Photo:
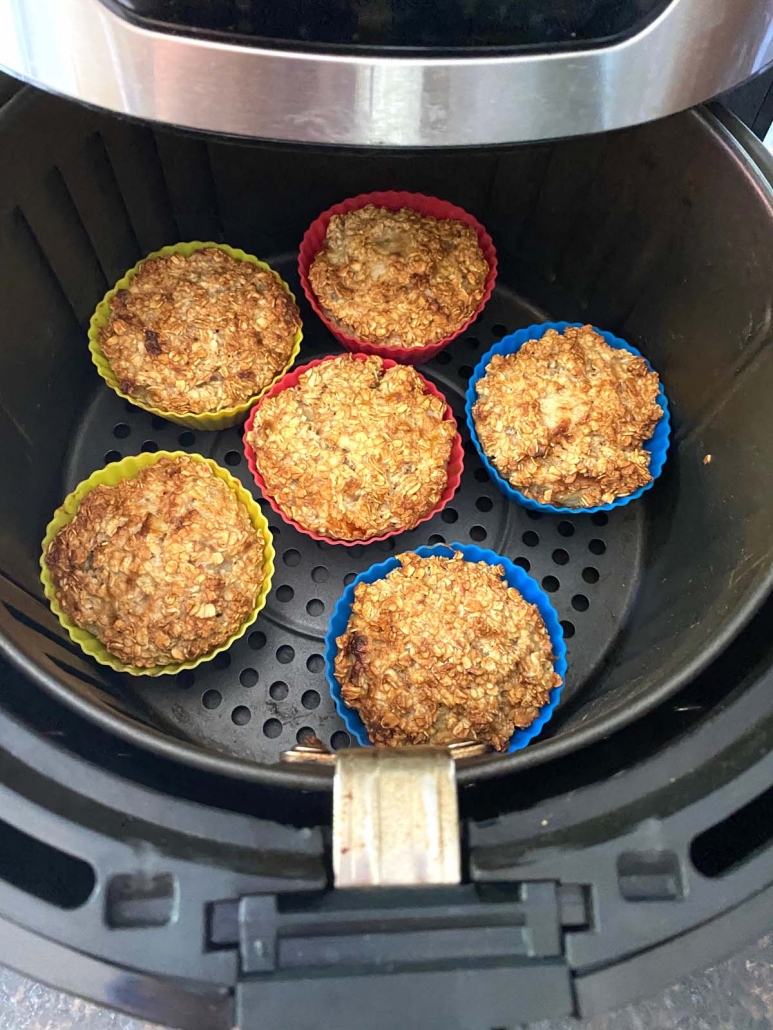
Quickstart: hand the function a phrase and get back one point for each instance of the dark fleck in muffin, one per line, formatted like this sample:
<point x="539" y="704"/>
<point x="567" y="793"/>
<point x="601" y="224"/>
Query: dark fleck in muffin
<point x="564" y="419"/>
<point x="200" y="333"/>
<point x="398" y="278"/>
<point x="354" y="450"/>
<point x="442" y="650"/>
<point x="162" y="568"/>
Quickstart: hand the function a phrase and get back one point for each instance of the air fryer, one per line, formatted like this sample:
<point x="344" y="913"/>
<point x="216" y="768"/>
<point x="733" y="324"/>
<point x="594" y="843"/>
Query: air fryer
<point x="168" y="846"/>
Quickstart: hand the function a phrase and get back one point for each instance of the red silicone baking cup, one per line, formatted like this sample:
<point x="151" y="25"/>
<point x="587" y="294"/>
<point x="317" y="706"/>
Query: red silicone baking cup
<point x="393" y="201"/>
<point x="455" y="460"/>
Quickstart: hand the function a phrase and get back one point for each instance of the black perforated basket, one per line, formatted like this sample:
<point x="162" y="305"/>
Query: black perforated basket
<point x="647" y="594"/>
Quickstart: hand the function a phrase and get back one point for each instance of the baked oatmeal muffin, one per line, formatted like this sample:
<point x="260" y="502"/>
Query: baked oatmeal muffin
<point x="398" y="278"/>
<point x="199" y="333"/>
<point x="564" y="418"/>
<point x="355" y="450"/>
<point x="442" y="650"/>
<point x="162" y="568"/>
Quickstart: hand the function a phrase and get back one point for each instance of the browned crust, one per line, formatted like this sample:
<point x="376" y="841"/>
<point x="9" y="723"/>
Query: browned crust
<point x="200" y="333"/>
<point x="564" y="419"/>
<point x="398" y="278"/>
<point x="442" y="650"/>
<point x="162" y="568"/>
<point x="354" y="450"/>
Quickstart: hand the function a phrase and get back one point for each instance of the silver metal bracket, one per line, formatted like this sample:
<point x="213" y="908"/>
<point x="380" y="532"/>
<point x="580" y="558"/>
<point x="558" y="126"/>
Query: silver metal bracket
<point x="395" y="818"/>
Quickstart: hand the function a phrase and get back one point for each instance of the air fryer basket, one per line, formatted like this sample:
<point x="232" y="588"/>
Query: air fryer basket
<point x="632" y="232"/>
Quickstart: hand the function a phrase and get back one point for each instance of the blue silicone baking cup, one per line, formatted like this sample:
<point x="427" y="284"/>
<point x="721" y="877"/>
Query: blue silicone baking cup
<point x="657" y="444"/>
<point x="515" y="576"/>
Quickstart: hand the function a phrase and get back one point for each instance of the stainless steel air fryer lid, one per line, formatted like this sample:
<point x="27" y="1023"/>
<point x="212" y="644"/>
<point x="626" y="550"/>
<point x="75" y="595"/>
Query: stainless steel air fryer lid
<point x="404" y="73"/>
<point x="664" y="234"/>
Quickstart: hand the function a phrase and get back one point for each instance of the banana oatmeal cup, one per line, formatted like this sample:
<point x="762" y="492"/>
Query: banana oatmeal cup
<point x="162" y="568"/>
<point x="354" y="447"/>
<point x="398" y="278"/>
<point x="442" y="650"/>
<point x="564" y="419"/>
<point x="199" y="332"/>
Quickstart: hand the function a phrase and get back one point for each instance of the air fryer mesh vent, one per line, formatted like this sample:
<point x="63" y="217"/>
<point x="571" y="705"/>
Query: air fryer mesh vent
<point x="269" y="691"/>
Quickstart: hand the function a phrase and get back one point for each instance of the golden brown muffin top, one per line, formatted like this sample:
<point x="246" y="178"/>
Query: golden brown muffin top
<point x="398" y="278"/>
<point x="162" y="568"/>
<point x="563" y="419"/>
<point x="354" y="450"/>
<point x="441" y="651"/>
<point x="199" y="333"/>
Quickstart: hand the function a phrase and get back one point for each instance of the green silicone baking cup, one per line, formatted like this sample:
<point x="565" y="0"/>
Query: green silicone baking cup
<point x="208" y="420"/>
<point x="111" y="475"/>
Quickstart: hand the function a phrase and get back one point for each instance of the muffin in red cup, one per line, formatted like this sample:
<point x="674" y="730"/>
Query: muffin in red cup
<point x="398" y="275"/>
<point x="354" y="448"/>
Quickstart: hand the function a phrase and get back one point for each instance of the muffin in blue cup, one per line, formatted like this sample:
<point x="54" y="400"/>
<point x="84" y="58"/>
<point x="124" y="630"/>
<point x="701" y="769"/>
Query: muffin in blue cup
<point x="568" y="418"/>
<point x="433" y="646"/>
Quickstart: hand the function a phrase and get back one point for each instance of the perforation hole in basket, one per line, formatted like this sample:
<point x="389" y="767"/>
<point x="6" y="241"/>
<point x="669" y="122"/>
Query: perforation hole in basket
<point x="241" y="715"/>
<point x="278" y="690"/>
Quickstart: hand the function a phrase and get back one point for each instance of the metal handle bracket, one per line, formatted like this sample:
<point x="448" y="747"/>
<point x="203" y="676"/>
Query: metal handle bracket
<point x="395" y="818"/>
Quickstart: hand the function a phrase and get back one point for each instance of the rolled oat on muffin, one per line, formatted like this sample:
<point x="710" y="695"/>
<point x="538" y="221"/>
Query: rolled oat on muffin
<point x="355" y="450"/>
<point x="441" y="650"/>
<point x="398" y="278"/>
<point x="199" y="334"/>
<point x="162" y="568"/>
<point x="564" y="418"/>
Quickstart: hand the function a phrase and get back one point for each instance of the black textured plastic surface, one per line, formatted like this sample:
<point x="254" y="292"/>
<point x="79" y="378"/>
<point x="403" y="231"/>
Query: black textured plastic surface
<point x="268" y="692"/>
